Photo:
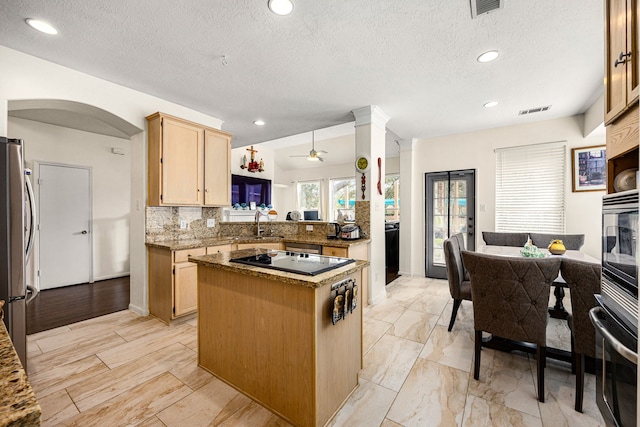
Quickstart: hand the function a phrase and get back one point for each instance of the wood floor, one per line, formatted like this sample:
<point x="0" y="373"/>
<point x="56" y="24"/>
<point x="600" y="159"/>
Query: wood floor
<point x="57" y="307"/>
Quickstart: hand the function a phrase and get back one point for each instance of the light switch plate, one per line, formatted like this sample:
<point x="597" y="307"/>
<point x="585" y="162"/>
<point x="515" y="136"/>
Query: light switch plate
<point x="211" y="222"/>
<point x="183" y="224"/>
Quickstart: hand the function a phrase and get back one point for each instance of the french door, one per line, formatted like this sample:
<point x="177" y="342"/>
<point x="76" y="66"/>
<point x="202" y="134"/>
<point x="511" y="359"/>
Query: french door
<point x="450" y="209"/>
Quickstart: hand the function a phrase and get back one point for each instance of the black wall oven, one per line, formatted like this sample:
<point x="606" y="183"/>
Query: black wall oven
<point x="615" y="316"/>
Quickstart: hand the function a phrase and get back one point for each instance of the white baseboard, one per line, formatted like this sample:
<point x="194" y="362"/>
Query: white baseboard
<point x="138" y="310"/>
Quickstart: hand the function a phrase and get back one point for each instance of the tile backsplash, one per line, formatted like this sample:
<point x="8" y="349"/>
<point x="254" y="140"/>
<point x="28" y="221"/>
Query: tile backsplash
<point x="163" y="223"/>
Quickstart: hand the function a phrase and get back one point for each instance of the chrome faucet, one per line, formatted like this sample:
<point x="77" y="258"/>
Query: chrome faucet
<point x="257" y="218"/>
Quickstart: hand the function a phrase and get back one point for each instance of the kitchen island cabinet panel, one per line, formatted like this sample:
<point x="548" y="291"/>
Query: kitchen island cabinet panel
<point x="275" y="342"/>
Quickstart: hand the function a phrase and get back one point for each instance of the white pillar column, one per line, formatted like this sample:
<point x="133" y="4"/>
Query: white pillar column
<point x="4" y="118"/>
<point x="370" y="126"/>
<point x="407" y="184"/>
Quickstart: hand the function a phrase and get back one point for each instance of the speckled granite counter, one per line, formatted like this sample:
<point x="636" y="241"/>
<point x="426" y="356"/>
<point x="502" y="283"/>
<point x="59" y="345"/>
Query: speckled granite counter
<point x="222" y="261"/>
<point x="18" y="405"/>
<point x="175" y="245"/>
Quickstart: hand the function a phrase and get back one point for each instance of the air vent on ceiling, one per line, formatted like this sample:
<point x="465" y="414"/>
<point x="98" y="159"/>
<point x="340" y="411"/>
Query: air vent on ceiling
<point x="534" y="110"/>
<point x="480" y="7"/>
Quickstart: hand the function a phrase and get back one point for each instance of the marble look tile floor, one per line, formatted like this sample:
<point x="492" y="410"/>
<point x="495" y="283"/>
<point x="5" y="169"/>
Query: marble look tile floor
<point x="124" y="369"/>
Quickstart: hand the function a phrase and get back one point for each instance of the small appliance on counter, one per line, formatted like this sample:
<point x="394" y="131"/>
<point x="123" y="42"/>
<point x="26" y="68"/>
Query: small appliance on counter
<point x="350" y="232"/>
<point x="333" y="230"/>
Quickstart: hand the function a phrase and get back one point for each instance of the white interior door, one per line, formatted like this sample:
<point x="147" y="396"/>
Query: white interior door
<point x="64" y="225"/>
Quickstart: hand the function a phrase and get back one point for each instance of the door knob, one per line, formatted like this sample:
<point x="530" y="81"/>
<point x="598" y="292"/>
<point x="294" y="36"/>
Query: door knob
<point x="83" y="232"/>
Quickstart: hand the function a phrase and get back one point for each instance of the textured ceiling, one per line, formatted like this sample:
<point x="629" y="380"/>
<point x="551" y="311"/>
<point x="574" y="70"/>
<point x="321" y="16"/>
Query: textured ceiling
<point x="415" y="59"/>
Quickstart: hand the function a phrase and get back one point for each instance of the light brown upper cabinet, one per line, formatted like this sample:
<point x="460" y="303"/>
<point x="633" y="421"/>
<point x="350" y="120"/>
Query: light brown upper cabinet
<point x="189" y="164"/>
<point x="621" y="57"/>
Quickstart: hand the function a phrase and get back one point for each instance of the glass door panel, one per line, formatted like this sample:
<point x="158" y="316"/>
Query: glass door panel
<point x="450" y="210"/>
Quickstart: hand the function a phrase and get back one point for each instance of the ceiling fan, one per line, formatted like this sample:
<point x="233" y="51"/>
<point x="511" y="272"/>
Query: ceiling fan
<point x="313" y="155"/>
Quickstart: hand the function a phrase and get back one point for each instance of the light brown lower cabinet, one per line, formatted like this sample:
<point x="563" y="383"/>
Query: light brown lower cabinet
<point x="173" y="282"/>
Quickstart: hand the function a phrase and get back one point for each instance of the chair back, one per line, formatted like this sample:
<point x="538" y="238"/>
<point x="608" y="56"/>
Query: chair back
<point x="583" y="279"/>
<point x="455" y="270"/>
<point x="460" y="238"/>
<point x="492" y="238"/>
<point x="510" y="295"/>
<point x="572" y="242"/>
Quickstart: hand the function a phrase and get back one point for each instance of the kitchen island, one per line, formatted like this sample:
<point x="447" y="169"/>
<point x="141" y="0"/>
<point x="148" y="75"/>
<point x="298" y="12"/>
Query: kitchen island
<point x="270" y="334"/>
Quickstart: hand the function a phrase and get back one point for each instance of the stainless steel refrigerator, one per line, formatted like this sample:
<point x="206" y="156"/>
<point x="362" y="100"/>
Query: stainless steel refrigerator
<point x="16" y="240"/>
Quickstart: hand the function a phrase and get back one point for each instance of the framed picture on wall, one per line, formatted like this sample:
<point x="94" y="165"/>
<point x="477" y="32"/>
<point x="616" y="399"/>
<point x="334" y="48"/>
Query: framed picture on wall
<point x="589" y="168"/>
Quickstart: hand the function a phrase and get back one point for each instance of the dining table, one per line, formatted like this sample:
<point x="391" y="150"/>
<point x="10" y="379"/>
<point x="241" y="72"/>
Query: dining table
<point x="557" y="311"/>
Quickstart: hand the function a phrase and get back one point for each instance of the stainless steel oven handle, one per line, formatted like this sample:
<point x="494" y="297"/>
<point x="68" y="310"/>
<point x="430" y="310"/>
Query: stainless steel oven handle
<point x="620" y="348"/>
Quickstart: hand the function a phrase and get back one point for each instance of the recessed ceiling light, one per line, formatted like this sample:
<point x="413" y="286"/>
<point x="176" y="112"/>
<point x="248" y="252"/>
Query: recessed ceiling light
<point x="491" y="104"/>
<point x="488" y="56"/>
<point x="259" y="122"/>
<point x="41" y="26"/>
<point x="281" y="7"/>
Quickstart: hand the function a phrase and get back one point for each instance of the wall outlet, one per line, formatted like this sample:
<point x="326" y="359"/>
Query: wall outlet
<point x="211" y="222"/>
<point x="183" y="224"/>
<point x="309" y="227"/>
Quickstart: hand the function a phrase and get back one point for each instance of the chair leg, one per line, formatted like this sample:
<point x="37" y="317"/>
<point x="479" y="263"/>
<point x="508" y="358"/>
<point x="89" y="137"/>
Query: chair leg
<point x="541" y="355"/>
<point x="574" y="356"/>
<point x="579" y="381"/>
<point x="454" y="312"/>
<point x="476" y="362"/>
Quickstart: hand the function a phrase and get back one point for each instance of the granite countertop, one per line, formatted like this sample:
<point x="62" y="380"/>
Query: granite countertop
<point x="18" y="405"/>
<point x="175" y="245"/>
<point x="221" y="261"/>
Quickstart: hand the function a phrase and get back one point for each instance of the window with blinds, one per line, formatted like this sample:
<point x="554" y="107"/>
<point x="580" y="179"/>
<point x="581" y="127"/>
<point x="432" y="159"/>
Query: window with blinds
<point x="530" y="187"/>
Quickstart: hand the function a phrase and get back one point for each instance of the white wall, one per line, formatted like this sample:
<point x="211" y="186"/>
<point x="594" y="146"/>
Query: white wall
<point x="111" y="180"/>
<point x="29" y="77"/>
<point x="475" y="150"/>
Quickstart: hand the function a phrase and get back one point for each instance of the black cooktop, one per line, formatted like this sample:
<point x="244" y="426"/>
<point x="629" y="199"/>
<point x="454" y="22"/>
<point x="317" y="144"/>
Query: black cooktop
<point x="294" y="262"/>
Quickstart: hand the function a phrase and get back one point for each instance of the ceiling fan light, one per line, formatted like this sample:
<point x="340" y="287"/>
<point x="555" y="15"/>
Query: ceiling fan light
<point x="313" y="158"/>
<point x="281" y="7"/>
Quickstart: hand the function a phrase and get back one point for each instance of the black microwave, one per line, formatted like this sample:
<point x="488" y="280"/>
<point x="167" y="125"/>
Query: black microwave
<point x="619" y="255"/>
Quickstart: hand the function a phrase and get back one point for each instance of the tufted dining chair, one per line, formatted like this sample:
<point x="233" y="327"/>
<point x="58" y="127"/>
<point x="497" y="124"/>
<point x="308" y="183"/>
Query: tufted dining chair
<point x="583" y="279"/>
<point x="510" y="298"/>
<point x="572" y="242"/>
<point x="459" y="285"/>
<point x="492" y="238"/>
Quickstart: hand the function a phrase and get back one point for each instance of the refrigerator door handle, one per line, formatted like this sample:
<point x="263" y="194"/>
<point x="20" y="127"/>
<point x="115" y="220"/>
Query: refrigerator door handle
<point x="32" y="226"/>
<point x="34" y="293"/>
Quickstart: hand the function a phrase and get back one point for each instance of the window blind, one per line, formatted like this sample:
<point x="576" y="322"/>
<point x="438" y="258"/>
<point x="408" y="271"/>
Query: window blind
<point x="530" y="188"/>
